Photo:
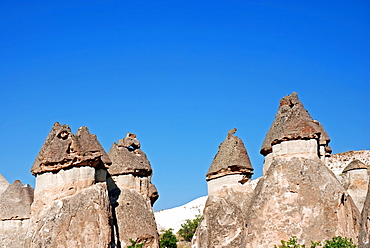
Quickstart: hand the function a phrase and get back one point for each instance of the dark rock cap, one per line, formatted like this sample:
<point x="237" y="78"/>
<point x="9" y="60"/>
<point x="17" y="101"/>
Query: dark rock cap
<point x="63" y="150"/>
<point x="231" y="158"/>
<point x="15" y="201"/>
<point x="355" y="164"/>
<point x="128" y="158"/>
<point x="293" y="122"/>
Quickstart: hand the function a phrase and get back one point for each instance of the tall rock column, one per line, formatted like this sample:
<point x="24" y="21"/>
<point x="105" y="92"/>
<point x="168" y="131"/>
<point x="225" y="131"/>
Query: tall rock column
<point x="132" y="194"/>
<point x="229" y="194"/>
<point x="298" y="195"/>
<point x="71" y="205"/>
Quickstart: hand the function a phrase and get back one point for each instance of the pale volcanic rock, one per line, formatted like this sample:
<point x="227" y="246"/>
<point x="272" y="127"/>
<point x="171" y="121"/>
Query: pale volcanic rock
<point x="224" y="219"/>
<point x="364" y="237"/>
<point x="80" y="220"/>
<point x="229" y="194"/>
<point x="232" y="158"/>
<point x="355" y="179"/>
<point x="339" y="161"/>
<point x="132" y="194"/>
<point x="135" y="220"/>
<point x="15" y="211"/>
<point x="293" y="122"/>
<point x="71" y="207"/>
<point x="62" y="150"/>
<point x="3" y="184"/>
<point x="15" y="201"/>
<point x="299" y="197"/>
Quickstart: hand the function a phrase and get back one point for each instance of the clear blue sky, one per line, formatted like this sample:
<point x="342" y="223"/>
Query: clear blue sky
<point x="179" y="74"/>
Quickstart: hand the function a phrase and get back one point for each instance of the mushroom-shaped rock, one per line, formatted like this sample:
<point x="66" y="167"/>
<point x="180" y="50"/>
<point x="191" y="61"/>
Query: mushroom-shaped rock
<point x="62" y="150"/>
<point x="354" y="165"/>
<point x="128" y="158"/>
<point x="232" y="158"/>
<point x="293" y="122"/>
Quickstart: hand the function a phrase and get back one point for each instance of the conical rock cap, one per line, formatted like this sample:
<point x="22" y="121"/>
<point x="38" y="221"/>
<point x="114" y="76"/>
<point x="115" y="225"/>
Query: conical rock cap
<point x="231" y="158"/>
<point x="63" y="150"/>
<point x="293" y="122"/>
<point x="128" y="158"/>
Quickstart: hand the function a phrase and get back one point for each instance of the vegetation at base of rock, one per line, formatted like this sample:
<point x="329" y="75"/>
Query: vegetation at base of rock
<point x="168" y="239"/>
<point x="134" y="244"/>
<point x="336" y="242"/>
<point x="188" y="228"/>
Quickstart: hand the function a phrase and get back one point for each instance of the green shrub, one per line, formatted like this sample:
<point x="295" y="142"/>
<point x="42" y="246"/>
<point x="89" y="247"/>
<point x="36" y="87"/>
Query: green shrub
<point x="134" y="244"/>
<point x="336" y="242"/>
<point x="168" y="239"/>
<point x="188" y="228"/>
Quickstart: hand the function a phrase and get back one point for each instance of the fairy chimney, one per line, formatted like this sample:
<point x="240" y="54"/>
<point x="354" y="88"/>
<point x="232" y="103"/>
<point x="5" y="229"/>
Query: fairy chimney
<point x="294" y="133"/>
<point x="132" y="194"/>
<point x="355" y="181"/>
<point x="229" y="194"/>
<point x="298" y="194"/>
<point x="231" y="165"/>
<point x="70" y="194"/>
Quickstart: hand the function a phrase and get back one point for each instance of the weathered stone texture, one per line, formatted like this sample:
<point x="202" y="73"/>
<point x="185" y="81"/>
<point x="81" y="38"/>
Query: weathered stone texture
<point x="128" y="158"/>
<point x="364" y="237"/>
<point x="79" y="220"/>
<point x="132" y="194"/>
<point x="62" y="150"/>
<point x="232" y="158"/>
<point x="229" y="194"/>
<point x="293" y="122"/>
<point x="71" y="206"/>
<point x="135" y="220"/>
<point x="15" y="211"/>
<point x="355" y="179"/>
<point x="299" y="197"/>
<point x="338" y="162"/>
<point x="224" y="219"/>
<point x="3" y="184"/>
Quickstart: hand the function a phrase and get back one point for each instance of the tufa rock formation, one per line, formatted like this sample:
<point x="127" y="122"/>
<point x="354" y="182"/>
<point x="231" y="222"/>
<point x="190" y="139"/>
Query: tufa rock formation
<point x="355" y="179"/>
<point x="132" y="194"/>
<point x="298" y="195"/>
<point x="15" y="211"/>
<point x="71" y="205"/>
<point x="229" y="194"/>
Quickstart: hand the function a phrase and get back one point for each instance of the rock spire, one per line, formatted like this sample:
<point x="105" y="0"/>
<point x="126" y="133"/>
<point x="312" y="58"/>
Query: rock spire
<point x="71" y="207"/>
<point x="232" y="158"/>
<point x="229" y="194"/>
<point x="132" y="194"/>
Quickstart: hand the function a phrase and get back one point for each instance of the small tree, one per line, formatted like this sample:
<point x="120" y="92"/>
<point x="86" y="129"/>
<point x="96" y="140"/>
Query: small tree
<point x="336" y="242"/>
<point x="188" y="228"/>
<point x="134" y="244"/>
<point x="168" y="239"/>
<point x="339" y="242"/>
